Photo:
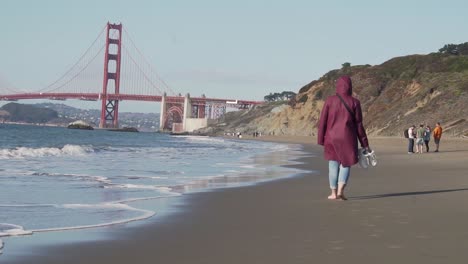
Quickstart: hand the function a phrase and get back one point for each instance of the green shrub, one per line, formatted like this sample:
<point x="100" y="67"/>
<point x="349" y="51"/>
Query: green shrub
<point x="318" y="95"/>
<point x="303" y="99"/>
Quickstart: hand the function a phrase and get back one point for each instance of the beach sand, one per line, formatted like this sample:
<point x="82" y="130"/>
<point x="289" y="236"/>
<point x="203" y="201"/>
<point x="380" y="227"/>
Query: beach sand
<point x="408" y="209"/>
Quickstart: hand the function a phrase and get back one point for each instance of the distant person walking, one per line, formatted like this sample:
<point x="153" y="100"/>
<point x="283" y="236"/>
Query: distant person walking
<point x="420" y="139"/>
<point x="411" y="139"/>
<point x="427" y="137"/>
<point x="339" y="127"/>
<point x="437" y="134"/>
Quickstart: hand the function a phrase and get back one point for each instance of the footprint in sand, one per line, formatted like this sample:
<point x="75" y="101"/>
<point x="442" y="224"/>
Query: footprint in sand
<point x="394" y="246"/>
<point x="402" y="222"/>
<point x="337" y="248"/>
<point x="336" y="242"/>
<point x="367" y="224"/>
<point x="423" y="237"/>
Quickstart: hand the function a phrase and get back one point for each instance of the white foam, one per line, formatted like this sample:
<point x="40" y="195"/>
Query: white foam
<point x="129" y="200"/>
<point x="98" y="206"/>
<point x="100" y="179"/>
<point x="163" y="189"/>
<point x="248" y="166"/>
<point x="136" y="177"/>
<point x="24" y="152"/>
<point x="203" y="138"/>
<point x="12" y="230"/>
<point x="27" y="205"/>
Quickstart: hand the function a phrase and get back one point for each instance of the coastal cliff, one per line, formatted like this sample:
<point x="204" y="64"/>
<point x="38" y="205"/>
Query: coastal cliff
<point x="394" y="95"/>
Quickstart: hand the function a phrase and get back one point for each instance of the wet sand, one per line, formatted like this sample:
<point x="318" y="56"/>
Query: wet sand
<point x="408" y="209"/>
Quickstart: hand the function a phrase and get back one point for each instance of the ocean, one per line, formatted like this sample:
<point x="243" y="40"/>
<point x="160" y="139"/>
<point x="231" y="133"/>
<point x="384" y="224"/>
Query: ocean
<point x="54" y="179"/>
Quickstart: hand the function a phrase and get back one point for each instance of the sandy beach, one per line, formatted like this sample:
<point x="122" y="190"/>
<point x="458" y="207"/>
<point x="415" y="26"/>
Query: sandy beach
<point x="408" y="209"/>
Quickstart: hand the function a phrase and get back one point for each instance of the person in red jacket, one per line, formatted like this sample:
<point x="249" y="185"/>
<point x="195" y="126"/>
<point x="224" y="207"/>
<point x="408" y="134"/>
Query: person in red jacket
<point x="339" y="130"/>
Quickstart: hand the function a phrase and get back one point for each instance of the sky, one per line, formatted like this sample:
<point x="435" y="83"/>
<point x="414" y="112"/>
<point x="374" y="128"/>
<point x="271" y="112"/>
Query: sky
<point x="242" y="49"/>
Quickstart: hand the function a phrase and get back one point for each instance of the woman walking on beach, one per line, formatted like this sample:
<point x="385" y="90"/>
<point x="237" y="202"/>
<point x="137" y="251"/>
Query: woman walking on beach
<point x="339" y="128"/>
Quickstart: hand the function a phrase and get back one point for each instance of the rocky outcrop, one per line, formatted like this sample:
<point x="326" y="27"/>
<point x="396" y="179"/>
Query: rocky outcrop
<point x="124" y="129"/>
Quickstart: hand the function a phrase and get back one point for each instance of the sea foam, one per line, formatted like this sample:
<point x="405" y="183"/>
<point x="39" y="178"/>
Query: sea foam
<point x="12" y="230"/>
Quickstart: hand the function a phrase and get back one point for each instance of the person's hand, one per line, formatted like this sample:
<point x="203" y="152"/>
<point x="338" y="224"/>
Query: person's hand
<point x="369" y="150"/>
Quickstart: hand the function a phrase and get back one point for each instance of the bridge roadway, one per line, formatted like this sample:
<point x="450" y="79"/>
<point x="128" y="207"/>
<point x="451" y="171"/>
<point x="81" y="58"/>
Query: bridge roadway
<point x="121" y="97"/>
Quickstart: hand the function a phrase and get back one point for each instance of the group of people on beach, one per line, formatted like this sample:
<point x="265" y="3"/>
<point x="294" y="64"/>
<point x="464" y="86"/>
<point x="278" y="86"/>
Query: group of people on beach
<point x="422" y="136"/>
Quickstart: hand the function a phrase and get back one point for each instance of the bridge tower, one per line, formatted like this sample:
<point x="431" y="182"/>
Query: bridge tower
<point x="112" y="57"/>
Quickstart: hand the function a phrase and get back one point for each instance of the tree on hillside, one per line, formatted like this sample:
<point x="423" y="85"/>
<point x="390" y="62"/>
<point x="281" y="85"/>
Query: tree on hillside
<point x="286" y="95"/>
<point x="455" y="49"/>
<point x="346" y="65"/>
<point x="283" y="96"/>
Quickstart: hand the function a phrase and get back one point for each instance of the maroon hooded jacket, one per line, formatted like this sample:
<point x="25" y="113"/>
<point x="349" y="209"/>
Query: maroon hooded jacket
<point x="337" y="131"/>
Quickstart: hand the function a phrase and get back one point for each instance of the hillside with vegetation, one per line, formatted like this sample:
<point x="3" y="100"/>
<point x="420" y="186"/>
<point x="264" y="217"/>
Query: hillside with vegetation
<point x="394" y="95"/>
<point x="14" y="112"/>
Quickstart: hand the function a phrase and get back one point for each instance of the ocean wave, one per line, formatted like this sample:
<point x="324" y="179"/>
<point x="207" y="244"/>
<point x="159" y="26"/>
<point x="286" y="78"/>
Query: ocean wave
<point x="203" y="139"/>
<point x="25" y="152"/>
<point x="85" y="177"/>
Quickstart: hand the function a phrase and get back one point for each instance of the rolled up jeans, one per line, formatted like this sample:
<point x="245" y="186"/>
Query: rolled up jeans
<point x="337" y="174"/>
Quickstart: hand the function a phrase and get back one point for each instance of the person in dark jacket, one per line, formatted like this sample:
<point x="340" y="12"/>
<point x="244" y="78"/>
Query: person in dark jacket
<point x="338" y="131"/>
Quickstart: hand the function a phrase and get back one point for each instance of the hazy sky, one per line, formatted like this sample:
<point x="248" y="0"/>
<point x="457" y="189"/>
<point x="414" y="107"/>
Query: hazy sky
<point x="242" y="49"/>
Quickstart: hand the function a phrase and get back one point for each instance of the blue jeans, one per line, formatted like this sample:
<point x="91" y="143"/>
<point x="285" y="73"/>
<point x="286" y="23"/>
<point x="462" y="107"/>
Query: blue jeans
<point x="337" y="174"/>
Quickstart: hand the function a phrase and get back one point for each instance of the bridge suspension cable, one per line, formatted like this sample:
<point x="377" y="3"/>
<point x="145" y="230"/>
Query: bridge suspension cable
<point x="79" y="67"/>
<point x="5" y="85"/>
<point x="152" y="71"/>
<point x="84" y="79"/>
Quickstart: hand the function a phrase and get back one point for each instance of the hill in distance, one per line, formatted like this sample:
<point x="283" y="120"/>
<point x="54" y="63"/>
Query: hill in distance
<point x="62" y="115"/>
<point x="22" y="113"/>
<point x="415" y="89"/>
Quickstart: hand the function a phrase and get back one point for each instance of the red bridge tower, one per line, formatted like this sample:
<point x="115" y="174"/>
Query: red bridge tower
<point x="112" y="56"/>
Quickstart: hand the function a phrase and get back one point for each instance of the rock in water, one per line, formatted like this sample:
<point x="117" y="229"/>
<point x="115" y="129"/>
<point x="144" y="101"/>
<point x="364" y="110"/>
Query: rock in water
<point x="124" y="129"/>
<point x="80" y="125"/>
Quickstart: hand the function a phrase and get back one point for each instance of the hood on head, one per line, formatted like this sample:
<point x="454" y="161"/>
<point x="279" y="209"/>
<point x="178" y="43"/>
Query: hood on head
<point x="344" y="86"/>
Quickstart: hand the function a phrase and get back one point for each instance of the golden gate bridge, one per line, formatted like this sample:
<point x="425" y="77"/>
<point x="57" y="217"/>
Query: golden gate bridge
<point x="126" y="75"/>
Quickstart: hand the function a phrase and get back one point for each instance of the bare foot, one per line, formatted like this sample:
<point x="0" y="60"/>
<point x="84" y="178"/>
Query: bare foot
<point x="341" y="197"/>
<point x="332" y="197"/>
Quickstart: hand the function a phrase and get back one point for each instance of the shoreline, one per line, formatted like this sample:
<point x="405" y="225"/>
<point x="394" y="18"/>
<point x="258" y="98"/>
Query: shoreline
<point x="410" y="208"/>
<point x="42" y="239"/>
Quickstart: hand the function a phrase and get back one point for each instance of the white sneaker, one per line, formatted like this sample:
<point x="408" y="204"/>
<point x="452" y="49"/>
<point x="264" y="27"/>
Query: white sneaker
<point x="363" y="161"/>
<point x="367" y="158"/>
<point x="372" y="158"/>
